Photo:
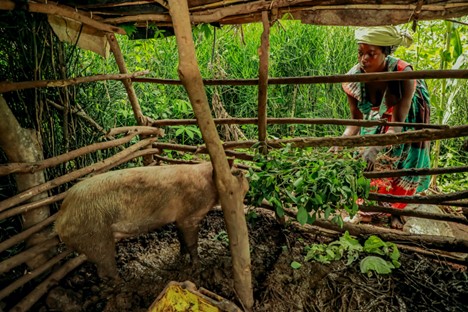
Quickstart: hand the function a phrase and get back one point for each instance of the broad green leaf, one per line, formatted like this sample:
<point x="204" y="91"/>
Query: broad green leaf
<point x="302" y="215"/>
<point x="295" y="265"/>
<point x="376" y="264"/>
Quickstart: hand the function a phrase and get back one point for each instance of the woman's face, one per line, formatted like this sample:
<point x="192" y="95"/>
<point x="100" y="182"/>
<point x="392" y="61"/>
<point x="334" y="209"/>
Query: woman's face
<point x="371" y="58"/>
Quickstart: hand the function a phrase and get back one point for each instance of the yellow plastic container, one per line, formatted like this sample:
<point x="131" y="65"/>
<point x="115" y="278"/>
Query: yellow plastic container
<point x="181" y="297"/>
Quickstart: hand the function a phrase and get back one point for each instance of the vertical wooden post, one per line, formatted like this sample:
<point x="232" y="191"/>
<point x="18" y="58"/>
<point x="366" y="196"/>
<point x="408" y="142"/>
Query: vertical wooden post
<point x="264" y="53"/>
<point x="229" y="190"/>
<point x="114" y="45"/>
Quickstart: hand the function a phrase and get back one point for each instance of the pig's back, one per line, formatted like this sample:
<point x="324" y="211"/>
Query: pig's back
<point x="137" y="194"/>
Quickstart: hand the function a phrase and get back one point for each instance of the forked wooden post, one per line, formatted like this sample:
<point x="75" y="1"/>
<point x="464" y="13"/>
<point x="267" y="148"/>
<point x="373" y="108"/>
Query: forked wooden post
<point x="264" y="53"/>
<point x="228" y="188"/>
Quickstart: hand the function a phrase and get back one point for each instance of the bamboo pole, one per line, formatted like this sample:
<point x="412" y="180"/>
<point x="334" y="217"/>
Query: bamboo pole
<point x="264" y="53"/>
<point x="26" y="233"/>
<point x="365" y="77"/>
<point x="27" y="302"/>
<point x="33" y="274"/>
<point x="306" y="121"/>
<point x="7" y="86"/>
<point x="228" y="188"/>
<point x="30" y="253"/>
<point x="23" y="196"/>
<point x="53" y="161"/>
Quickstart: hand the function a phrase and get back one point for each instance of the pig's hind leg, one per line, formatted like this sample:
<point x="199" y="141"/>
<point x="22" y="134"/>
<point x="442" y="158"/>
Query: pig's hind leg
<point x="188" y="238"/>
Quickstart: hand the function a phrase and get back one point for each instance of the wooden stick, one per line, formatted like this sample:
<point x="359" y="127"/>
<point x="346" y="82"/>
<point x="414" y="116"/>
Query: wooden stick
<point x="54" y="161"/>
<point x="114" y="45"/>
<point x="428" y="199"/>
<point x="65" y="11"/>
<point x="31" y="275"/>
<point x="430" y="241"/>
<point x="264" y="53"/>
<point x="27" y="302"/>
<point x="78" y="111"/>
<point x="362" y="140"/>
<point x="26" y="233"/>
<point x="414" y="213"/>
<point x="306" y="121"/>
<point x="366" y="77"/>
<point x="317" y="230"/>
<point x="30" y="253"/>
<point x="30" y="206"/>
<point x="455" y="204"/>
<point x="141" y="130"/>
<point x="53" y="199"/>
<point x="14" y="86"/>
<point x="23" y="196"/>
<point x="414" y="172"/>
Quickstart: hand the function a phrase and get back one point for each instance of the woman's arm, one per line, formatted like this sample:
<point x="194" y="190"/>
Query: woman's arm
<point x="350" y="130"/>
<point x="355" y="114"/>
<point x="402" y="106"/>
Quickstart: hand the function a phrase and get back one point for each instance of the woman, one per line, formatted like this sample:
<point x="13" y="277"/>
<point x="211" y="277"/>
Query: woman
<point x="397" y="101"/>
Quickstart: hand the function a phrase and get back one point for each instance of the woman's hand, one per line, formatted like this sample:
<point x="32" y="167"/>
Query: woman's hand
<point x="370" y="155"/>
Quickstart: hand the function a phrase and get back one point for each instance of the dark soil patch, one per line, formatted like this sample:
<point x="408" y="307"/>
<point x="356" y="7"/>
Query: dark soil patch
<point x="147" y="263"/>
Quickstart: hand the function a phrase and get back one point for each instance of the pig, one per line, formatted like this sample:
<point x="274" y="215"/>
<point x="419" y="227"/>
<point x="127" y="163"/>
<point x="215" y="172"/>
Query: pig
<point x="123" y="203"/>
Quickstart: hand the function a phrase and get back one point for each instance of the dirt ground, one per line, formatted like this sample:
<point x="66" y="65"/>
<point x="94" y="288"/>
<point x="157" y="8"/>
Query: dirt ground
<point x="147" y="263"/>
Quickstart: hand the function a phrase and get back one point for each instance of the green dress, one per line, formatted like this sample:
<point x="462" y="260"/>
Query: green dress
<point x="406" y="156"/>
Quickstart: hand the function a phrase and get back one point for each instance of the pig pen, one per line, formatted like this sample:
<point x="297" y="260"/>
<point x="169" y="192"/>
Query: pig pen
<point x="148" y="262"/>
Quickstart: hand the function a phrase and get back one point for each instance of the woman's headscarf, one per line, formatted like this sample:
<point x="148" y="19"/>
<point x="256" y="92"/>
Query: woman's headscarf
<point x="383" y="36"/>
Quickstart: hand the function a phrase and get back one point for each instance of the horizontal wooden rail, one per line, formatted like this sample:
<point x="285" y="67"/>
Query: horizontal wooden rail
<point x="33" y="274"/>
<point x="361" y="140"/>
<point x="28" y="254"/>
<point x="428" y="199"/>
<point x="26" y="233"/>
<point x="14" y="86"/>
<point x="414" y="172"/>
<point x="54" y="161"/>
<point x="305" y="121"/>
<point x="367" y="77"/>
<point x="414" y="213"/>
<point x="27" y="302"/>
<point x="27" y="194"/>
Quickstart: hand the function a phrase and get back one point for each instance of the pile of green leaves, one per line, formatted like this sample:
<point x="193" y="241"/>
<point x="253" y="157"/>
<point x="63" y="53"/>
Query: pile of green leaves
<point x="381" y="257"/>
<point x="312" y="182"/>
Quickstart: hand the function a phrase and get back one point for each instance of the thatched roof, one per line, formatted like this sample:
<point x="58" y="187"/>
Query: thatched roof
<point x="105" y="14"/>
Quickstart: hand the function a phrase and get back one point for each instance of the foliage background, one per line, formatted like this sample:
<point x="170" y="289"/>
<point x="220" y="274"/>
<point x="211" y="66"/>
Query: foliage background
<point x="295" y="50"/>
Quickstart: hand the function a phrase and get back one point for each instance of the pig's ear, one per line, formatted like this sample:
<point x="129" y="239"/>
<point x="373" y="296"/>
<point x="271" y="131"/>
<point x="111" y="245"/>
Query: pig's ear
<point x="231" y="162"/>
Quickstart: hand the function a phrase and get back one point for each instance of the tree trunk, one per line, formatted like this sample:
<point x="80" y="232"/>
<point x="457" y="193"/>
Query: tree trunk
<point x="229" y="190"/>
<point x="22" y="145"/>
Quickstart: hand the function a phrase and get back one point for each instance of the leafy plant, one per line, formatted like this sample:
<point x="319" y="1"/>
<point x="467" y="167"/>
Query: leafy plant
<point x="348" y="247"/>
<point x="308" y="181"/>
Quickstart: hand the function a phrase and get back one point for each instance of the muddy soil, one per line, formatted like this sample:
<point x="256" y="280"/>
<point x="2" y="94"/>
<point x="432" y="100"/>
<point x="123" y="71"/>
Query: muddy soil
<point x="147" y="263"/>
